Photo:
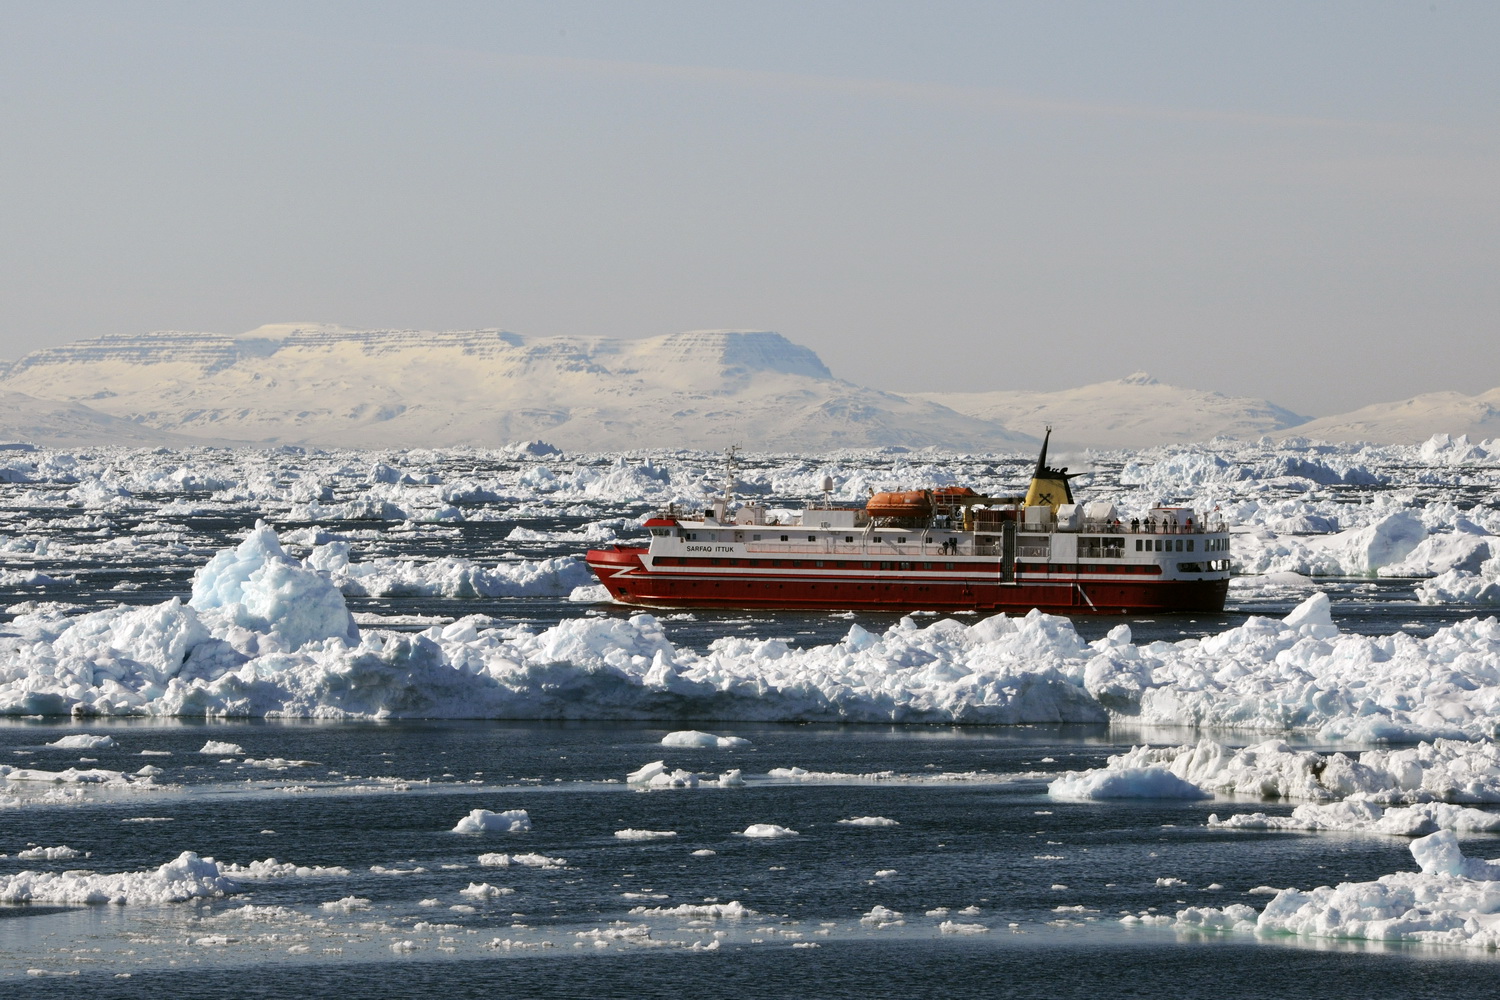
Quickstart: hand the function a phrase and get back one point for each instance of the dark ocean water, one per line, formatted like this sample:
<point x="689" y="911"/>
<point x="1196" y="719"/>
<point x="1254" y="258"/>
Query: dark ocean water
<point x="1049" y="880"/>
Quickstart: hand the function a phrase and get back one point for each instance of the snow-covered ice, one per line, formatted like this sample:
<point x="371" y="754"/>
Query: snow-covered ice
<point x="186" y="877"/>
<point x="696" y="738"/>
<point x="485" y="821"/>
<point x="1452" y="900"/>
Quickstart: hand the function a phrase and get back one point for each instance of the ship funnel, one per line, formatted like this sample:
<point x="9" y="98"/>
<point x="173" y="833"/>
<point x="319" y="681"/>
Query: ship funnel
<point x="1049" y="486"/>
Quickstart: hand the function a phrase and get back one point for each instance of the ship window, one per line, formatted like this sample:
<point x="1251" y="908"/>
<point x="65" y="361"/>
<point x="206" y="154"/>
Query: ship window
<point x="1179" y="545"/>
<point x="714" y="561"/>
<point x="927" y="565"/>
<point x="1138" y="545"/>
<point x="819" y="564"/>
<point x="692" y="536"/>
<point x="885" y="565"/>
<point x="848" y="538"/>
<point x="868" y="565"/>
<point x="812" y="538"/>
<point x="784" y="538"/>
<point x="947" y="566"/>
<point x="1190" y="545"/>
<point x="900" y="541"/>
<point x="877" y="539"/>
<point x="755" y="538"/>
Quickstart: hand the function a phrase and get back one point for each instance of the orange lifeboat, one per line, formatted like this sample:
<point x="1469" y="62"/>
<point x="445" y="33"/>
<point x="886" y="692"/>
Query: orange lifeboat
<point x="951" y="493"/>
<point x="908" y="503"/>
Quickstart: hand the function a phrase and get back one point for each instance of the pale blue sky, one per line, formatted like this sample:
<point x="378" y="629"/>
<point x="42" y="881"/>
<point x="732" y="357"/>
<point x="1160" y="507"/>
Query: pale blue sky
<point x="1291" y="200"/>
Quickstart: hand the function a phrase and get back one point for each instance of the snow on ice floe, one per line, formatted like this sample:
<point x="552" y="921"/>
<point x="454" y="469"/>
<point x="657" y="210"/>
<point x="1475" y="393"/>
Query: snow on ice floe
<point x="485" y="821"/>
<point x="1453" y="771"/>
<point x="1361" y="816"/>
<point x="1124" y="783"/>
<point x="221" y="749"/>
<point x="186" y="877"/>
<point x="869" y="821"/>
<point x="696" y="738"/>
<point x="264" y="635"/>
<point x="631" y="834"/>
<point x="523" y="860"/>
<point x="83" y="741"/>
<point x="767" y="831"/>
<point x="1452" y="900"/>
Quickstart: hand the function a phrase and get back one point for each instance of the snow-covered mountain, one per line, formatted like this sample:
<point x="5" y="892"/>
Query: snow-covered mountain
<point x="72" y="425"/>
<point x="1133" y="412"/>
<point x="1412" y="420"/>
<point x="325" y="385"/>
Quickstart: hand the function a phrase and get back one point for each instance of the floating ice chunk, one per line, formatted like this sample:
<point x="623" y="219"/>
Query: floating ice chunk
<point x="869" y="821"/>
<point x="348" y="904"/>
<point x="84" y="741"/>
<point x="733" y="910"/>
<point x="483" y="890"/>
<point x="955" y="927"/>
<point x="696" y="738"/>
<point x="1362" y="816"/>
<point x="704" y="852"/>
<point x="1453" y="900"/>
<point x="767" y="831"/>
<point x="1235" y="917"/>
<point x="524" y="860"/>
<point x="1124" y="783"/>
<point x="186" y="877"/>
<point x="643" y="775"/>
<point x="485" y="821"/>
<point x="62" y="853"/>
<point x="656" y="775"/>
<point x="257" y="586"/>
<point x="219" y="749"/>
<point x="1439" y="854"/>
<point x="273" y="869"/>
<point x="71" y="776"/>
<point x="732" y="779"/>
<point x="630" y="834"/>
<point x="1313" y="615"/>
<point x="882" y="916"/>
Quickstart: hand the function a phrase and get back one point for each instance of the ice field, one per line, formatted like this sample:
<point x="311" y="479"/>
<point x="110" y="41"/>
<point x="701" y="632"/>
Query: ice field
<point x="344" y="710"/>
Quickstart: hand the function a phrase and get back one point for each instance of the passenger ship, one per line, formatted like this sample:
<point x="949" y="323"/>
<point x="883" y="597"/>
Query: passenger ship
<point x="948" y="549"/>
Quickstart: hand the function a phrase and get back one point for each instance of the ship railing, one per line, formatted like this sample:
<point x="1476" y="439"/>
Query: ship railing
<point x="882" y="550"/>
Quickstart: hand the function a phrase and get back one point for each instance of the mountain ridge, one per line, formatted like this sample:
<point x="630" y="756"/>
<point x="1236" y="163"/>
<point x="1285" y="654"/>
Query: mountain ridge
<point x="321" y="384"/>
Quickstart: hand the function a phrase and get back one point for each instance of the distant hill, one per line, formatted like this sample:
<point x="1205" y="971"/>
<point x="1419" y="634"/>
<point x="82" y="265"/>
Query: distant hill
<point x="1132" y="412"/>
<point x="1413" y="420"/>
<point x="71" y="425"/>
<point x="325" y="385"/>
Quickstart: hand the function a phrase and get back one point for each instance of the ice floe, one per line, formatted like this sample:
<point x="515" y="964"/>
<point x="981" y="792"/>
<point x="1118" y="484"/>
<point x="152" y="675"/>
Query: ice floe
<point x="186" y="877"/>
<point x="1453" y="771"/>
<point x="696" y="738"/>
<point x="485" y="821"/>
<point x="1452" y="900"/>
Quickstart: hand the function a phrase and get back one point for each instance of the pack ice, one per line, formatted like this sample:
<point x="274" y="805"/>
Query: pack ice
<point x="266" y="635"/>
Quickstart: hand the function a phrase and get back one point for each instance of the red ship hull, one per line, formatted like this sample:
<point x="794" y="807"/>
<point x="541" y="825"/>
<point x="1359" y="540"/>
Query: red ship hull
<point x="629" y="580"/>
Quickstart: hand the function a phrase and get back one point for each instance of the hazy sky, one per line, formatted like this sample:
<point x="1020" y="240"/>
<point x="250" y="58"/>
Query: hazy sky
<point x="1299" y="201"/>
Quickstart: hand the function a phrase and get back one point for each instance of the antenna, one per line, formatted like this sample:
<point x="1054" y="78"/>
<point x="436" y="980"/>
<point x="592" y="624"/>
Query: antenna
<point x="731" y="469"/>
<point x="827" y="492"/>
